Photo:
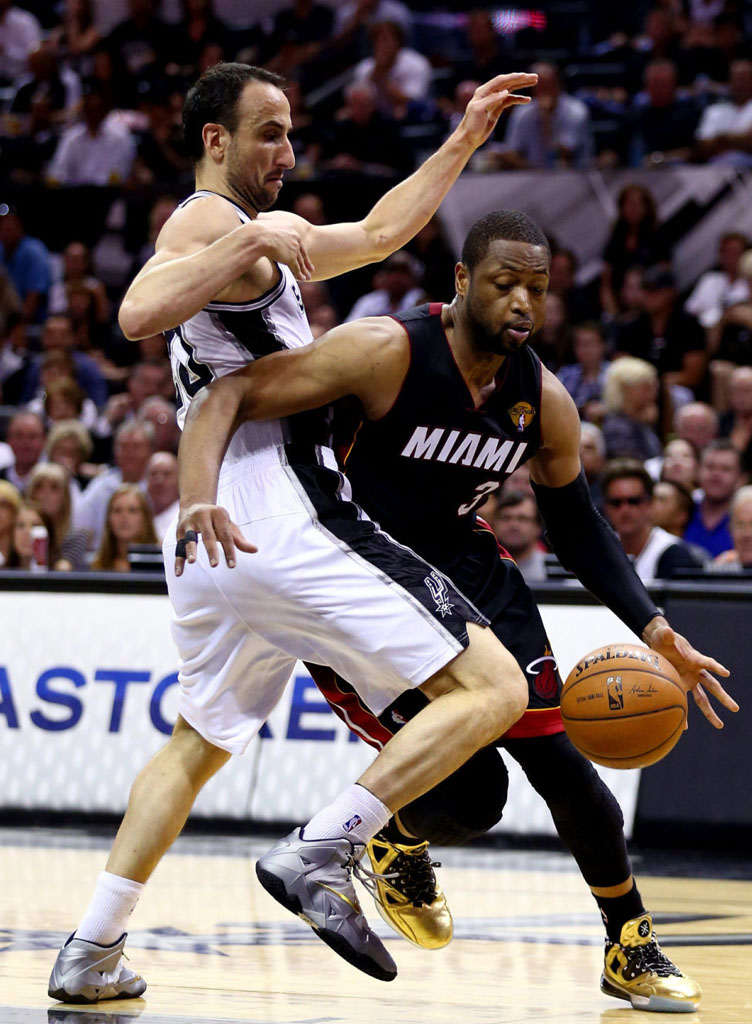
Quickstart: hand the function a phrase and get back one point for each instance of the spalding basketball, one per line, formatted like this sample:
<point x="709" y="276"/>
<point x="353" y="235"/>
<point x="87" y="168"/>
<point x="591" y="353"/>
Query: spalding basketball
<point x="623" y="706"/>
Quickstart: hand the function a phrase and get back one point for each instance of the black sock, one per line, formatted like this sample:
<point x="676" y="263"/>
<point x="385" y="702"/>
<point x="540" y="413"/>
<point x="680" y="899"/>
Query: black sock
<point x="617" y="910"/>
<point x="391" y="832"/>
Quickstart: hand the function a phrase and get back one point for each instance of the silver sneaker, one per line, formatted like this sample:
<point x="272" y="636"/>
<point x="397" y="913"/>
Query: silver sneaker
<point x="86" y="972"/>
<point x="313" y="879"/>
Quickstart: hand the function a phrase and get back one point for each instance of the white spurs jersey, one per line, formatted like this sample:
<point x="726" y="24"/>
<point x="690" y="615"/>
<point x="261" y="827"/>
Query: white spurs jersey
<point x="225" y="336"/>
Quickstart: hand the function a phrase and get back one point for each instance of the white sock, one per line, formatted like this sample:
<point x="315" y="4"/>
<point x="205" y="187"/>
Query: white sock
<point x="113" y="902"/>
<point x="355" y="814"/>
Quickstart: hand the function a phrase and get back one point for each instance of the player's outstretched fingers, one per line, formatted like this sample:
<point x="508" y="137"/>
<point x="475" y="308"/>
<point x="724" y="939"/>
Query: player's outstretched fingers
<point x="702" y="702"/>
<point x="712" y="685"/>
<point x="518" y="80"/>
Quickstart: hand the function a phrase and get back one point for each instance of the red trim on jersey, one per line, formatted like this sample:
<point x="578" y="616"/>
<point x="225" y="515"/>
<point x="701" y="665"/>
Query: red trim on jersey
<point x="536" y="722"/>
<point x="347" y="705"/>
<point x="435" y="308"/>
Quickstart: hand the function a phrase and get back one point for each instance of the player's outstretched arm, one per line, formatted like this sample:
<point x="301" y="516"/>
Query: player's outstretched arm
<point x="201" y="250"/>
<point x="404" y="210"/>
<point x="586" y="544"/>
<point x="367" y="358"/>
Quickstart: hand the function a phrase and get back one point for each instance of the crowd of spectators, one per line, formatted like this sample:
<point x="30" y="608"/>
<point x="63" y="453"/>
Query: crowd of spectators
<point x="92" y="164"/>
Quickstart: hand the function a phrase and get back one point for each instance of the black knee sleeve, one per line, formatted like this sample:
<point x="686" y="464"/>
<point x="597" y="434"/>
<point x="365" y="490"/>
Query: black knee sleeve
<point x="465" y="805"/>
<point x="585" y="812"/>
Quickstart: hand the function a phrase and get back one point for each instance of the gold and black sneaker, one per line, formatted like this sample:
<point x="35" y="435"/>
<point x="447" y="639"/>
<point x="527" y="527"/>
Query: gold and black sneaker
<point x="406" y="892"/>
<point x="637" y="969"/>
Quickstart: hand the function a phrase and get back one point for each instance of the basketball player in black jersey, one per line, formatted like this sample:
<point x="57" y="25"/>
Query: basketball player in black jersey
<point x="452" y="400"/>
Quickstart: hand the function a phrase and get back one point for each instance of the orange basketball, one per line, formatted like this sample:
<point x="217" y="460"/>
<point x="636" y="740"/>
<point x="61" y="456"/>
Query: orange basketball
<point x="623" y="706"/>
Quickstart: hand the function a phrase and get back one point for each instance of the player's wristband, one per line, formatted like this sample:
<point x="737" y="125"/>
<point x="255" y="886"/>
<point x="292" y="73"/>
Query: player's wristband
<point x="588" y="547"/>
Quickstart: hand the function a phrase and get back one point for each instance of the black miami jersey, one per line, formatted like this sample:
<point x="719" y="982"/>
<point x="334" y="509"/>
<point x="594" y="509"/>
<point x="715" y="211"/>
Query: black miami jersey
<point x="423" y="468"/>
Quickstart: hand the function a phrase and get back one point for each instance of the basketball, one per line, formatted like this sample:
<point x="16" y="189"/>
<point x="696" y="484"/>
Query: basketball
<point x="623" y="706"/>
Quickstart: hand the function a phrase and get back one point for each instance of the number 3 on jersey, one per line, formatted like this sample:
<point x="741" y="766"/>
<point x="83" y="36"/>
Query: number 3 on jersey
<point x="482" y="491"/>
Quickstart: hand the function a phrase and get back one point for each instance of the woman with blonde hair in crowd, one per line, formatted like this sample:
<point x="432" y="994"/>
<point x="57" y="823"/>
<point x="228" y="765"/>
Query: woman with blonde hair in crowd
<point x="128" y="521"/>
<point x="21" y="551"/>
<point x="630" y="394"/>
<point x="69" y="445"/>
<point x="49" y="487"/>
<point x="10" y="503"/>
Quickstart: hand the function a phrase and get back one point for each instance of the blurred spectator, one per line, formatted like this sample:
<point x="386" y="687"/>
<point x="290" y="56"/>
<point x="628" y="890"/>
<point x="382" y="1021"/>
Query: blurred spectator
<point x="740" y="556"/>
<point x="659" y="40"/>
<point x="47" y="81"/>
<point x="306" y="138"/>
<point x="662" y="124"/>
<point x="680" y="464"/>
<point x="78" y="34"/>
<point x="665" y="335"/>
<point x="486" y="59"/>
<point x="672" y="506"/>
<point x="636" y="240"/>
<point x="628" y="502"/>
<point x="438" y="261"/>
<point x="355" y="18"/>
<point x="57" y="373"/>
<point x="63" y="400"/>
<point x="77" y="273"/>
<point x="310" y="206"/>
<point x="579" y="302"/>
<point x="10" y="308"/>
<point x="518" y="528"/>
<point x="553" y="342"/>
<point x="10" y="503"/>
<point x="724" y="135"/>
<point x="399" y="280"/>
<point x="697" y="423"/>
<point x="716" y="290"/>
<point x="20" y="35"/>
<point x="27" y="262"/>
<point x="585" y="378"/>
<point x="299" y="34"/>
<point x="57" y="336"/>
<point x="400" y="75"/>
<point x="629" y="394"/>
<point x="162" y="490"/>
<point x="48" y="487"/>
<point x="160" y="156"/>
<point x="98" y="151"/>
<point x="719" y="477"/>
<point x="146" y="379"/>
<point x="551" y="131"/>
<point x="363" y="138"/>
<point x="736" y="424"/>
<point x="128" y="521"/>
<point x="198" y="28"/>
<point x="159" y="214"/>
<point x="593" y="459"/>
<point x="133" y="446"/>
<point x="20" y="555"/>
<point x="730" y="341"/>
<point x="26" y="436"/>
<point x="69" y="445"/>
<point x="141" y="42"/>
<point x="161" y="414"/>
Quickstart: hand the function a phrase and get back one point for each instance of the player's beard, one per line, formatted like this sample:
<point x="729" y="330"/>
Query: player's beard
<point x="257" y="198"/>
<point x="484" y="336"/>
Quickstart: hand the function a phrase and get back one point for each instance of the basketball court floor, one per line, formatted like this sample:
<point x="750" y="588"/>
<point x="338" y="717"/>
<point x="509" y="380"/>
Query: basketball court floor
<point x="214" y="947"/>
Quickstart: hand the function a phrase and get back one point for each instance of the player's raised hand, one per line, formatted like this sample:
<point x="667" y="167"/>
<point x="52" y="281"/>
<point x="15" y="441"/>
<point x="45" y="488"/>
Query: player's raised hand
<point x="283" y="243"/>
<point x="694" y="668"/>
<point x="489" y="101"/>
<point x="216" y="529"/>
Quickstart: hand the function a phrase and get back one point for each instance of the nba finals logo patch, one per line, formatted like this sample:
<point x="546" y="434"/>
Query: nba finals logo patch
<point x="352" y="823"/>
<point x="522" y="415"/>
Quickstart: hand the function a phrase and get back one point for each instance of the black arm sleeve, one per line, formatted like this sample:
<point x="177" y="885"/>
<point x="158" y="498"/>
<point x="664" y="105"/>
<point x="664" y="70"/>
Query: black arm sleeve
<point x="588" y="547"/>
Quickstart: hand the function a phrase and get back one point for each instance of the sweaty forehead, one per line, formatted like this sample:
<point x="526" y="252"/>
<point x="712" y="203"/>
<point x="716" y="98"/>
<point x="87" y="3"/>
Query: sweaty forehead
<point x="518" y="256"/>
<point x="261" y="102"/>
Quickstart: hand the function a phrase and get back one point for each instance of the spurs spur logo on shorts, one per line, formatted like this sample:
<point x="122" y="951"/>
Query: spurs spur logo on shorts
<point x="440" y="593"/>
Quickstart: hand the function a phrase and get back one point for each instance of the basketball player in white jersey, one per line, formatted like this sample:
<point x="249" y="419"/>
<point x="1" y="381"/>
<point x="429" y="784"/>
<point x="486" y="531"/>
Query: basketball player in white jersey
<point x="325" y="585"/>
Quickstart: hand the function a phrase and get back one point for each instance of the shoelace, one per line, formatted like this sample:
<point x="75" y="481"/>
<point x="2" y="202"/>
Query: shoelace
<point x="650" y="958"/>
<point x="416" y="878"/>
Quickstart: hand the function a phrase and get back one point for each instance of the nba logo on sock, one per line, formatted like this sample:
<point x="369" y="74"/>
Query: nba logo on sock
<point x="352" y="823"/>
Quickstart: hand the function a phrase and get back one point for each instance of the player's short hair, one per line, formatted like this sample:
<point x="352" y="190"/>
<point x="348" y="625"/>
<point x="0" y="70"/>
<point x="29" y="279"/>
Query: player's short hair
<point x="213" y="99"/>
<point x="508" y="225"/>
